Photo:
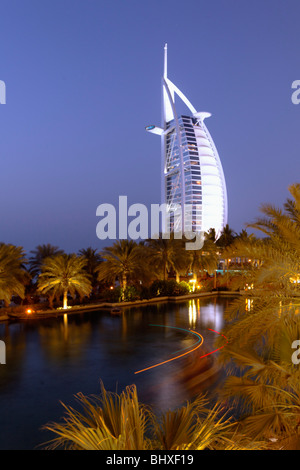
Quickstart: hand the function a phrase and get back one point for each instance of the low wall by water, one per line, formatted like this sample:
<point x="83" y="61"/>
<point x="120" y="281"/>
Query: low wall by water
<point x="177" y="298"/>
<point x="136" y="303"/>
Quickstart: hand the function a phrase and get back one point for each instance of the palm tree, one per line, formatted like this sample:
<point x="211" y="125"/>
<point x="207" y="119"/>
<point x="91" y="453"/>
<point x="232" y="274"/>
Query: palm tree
<point x="64" y="274"/>
<point x="39" y="255"/>
<point x="13" y="275"/>
<point x="211" y="235"/>
<point x="260" y="336"/>
<point x="276" y="277"/>
<point x="291" y="206"/>
<point x="93" y="259"/>
<point x="227" y="237"/>
<point x="168" y="254"/>
<point x="123" y="261"/>
<point x="121" y="422"/>
<point x="205" y="259"/>
<point x="266" y="389"/>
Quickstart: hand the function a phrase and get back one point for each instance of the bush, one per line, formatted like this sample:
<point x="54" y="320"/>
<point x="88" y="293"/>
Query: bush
<point x="185" y="287"/>
<point x="207" y="285"/>
<point x="168" y="288"/>
<point x="111" y="295"/>
<point x="144" y="293"/>
<point x="129" y="294"/>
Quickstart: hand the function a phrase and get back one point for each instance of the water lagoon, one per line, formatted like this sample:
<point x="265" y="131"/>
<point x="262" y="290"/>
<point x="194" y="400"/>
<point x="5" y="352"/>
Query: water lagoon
<point x="50" y="361"/>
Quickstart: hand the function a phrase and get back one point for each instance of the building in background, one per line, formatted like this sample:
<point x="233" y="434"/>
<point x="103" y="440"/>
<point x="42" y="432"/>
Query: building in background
<point x="191" y="172"/>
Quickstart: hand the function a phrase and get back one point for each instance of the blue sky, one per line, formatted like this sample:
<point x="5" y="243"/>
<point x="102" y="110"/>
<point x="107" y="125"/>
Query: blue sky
<point x="83" y="79"/>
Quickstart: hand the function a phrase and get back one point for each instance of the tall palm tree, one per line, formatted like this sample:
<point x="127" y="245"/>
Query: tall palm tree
<point x="211" y="235"/>
<point x="224" y="241"/>
<point x="266" y="388"/>
<point x="227" y="237"/>
<point x="93" y="259"/>
<point x="40" y="254"/>
<point x="123" y="261"/>
<point x="292" y="206"/>
<point x="243" y="235"/>
<point x="260" y="336"/>
<point x="205" y="259"/>
<point x="64" y="274"/>
<point x="13" y="275"/>
<point x="168" y="254"/>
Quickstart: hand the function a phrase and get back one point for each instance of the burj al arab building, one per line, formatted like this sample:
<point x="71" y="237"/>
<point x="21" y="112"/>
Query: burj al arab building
<point x="191" y="172"/>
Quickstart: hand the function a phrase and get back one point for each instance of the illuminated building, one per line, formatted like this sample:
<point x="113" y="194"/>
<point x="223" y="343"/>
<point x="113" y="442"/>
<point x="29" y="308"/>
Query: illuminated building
<point x="191" y="170"/>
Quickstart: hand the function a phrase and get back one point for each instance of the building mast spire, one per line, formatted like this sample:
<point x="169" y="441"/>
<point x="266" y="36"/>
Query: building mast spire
<point x="166" y="61"/>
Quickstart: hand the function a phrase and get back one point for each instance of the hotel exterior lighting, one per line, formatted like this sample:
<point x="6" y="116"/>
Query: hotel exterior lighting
<point x="191" y="170"/>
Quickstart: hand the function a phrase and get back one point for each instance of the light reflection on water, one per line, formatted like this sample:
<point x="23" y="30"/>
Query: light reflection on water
<point x="55" y="359"/>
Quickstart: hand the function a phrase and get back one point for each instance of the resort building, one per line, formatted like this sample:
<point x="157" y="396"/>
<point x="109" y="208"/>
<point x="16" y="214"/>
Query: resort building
<point x="191" y="172"/>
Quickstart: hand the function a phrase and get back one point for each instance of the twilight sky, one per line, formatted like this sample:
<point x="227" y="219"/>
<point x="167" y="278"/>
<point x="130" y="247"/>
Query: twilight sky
<point x="83" y="79"/>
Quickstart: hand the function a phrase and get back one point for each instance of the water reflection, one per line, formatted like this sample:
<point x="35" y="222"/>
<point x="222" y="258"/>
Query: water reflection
<point x="249" y="305"/>
<point x="193" y="313"/>
<point x="51" y="361"/>
<point x="66" y="327"/>
<point x="211" y="314"/>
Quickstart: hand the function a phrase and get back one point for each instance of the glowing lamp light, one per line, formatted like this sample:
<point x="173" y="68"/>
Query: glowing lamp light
<point x="28" y="311"/>
<point x="295" y="280"/>
<point x="249" y="286"/>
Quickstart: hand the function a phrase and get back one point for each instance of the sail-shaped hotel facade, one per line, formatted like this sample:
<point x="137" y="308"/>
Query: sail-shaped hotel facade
<point x="192" y="173"/>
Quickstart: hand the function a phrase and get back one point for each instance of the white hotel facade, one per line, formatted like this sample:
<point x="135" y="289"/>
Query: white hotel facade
<point x="191" y="172"/>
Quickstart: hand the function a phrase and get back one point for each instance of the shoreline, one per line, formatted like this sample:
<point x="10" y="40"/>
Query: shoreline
<point x="121" y="305"/>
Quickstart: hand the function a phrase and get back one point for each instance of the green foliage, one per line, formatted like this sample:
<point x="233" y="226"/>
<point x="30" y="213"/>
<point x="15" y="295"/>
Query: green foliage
<point x="129" y="294"/>
<point x="39" y="255"/>
<point x="261" y="327"/>
<point x="120" y="422"/>
<point x="167" y="256"/>
<point x="13" y="276"/>
<point x="168" y="288"/>
<point x="185" y="287"/>
<point x="93" y="260"/>
<point x="64" y="274"/>
<point x="109" y="422"/>
<point x="125" y="261"/>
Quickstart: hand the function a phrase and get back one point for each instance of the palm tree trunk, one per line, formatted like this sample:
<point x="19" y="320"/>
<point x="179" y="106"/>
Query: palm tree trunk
<point x="65" y="301"/>
<point x="124" y="285"/>
<point x="50" y="299"/>
<point x="124" y="281"/>
<point x="165" y="271"/>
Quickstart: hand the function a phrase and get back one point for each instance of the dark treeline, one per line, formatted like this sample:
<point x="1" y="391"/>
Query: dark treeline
<point x="127" y="270"/>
